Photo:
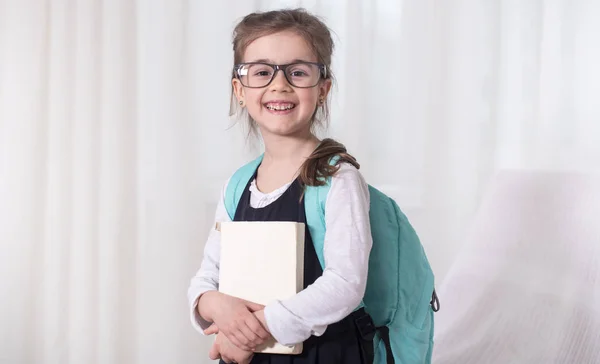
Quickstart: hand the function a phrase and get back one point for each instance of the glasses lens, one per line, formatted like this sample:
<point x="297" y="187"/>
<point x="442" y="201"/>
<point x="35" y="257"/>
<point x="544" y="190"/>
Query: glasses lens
<point x="255" y="75"/>
<point x="303" y="74"/>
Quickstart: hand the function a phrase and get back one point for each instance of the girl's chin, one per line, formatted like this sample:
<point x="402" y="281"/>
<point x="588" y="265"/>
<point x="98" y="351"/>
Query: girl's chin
<point x="281" y="129"/>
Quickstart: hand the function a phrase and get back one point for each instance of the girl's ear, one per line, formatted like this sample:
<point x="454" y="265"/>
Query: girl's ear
<point x="324" y="88"/>
<point x="238" y="90"/>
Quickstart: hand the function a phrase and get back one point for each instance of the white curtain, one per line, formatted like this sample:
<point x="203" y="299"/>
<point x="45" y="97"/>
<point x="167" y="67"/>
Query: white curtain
<point x="526" y="290"/>
<point x="114" y="142"/>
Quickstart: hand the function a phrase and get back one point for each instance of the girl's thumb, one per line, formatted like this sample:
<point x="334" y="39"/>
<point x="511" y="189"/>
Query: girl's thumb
<point x="254" y="306"/>
<point x="212" y="329"/>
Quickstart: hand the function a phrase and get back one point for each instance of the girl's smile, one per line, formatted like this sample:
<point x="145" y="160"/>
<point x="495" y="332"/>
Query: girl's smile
<point x="280" y="107"/>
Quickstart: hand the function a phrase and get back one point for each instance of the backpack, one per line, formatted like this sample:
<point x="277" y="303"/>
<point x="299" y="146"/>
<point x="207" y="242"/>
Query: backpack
<point x="400" y="295"/>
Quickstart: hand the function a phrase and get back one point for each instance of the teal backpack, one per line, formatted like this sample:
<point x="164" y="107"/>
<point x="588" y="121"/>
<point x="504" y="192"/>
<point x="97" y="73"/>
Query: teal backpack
<point x="400" y="295"/>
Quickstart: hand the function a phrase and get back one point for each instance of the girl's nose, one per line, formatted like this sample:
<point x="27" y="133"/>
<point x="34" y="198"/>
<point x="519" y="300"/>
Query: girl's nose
<point x="280" y="83"/>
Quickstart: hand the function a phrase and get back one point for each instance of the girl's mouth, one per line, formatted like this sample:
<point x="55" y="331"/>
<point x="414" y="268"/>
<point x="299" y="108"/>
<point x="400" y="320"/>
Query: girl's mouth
<point x="280" y="107"/>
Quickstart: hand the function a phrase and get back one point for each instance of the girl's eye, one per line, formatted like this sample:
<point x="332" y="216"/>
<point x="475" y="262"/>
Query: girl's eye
<point x="301" y="70"/>
<point x="260" y="70"/>
<point x="298" y="73"/>
<point x="262" y="73"/>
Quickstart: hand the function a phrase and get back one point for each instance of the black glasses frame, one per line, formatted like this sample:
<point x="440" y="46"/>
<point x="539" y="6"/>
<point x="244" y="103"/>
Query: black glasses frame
<point x="283" y="68"/>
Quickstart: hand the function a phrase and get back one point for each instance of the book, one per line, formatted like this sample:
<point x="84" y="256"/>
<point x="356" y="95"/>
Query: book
<point x="263" y="261"/>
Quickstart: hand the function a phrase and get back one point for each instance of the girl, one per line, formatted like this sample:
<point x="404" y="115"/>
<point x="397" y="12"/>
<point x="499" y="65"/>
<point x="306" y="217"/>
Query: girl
<point x="282" y="79"/>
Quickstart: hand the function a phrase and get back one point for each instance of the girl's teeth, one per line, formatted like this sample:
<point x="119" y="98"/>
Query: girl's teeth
<point x="280" y="107"/>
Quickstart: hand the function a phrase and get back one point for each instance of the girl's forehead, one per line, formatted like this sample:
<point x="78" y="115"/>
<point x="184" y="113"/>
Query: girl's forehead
<point x="279" y="48"/>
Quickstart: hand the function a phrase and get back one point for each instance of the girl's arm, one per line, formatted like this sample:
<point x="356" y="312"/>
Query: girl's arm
<point x="206" y="279"/>
<point x="347" y="246"/>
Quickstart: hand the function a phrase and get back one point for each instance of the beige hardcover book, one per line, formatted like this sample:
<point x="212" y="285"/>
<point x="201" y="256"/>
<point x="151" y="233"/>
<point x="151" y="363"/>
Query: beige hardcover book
<point x="262" y="262"/>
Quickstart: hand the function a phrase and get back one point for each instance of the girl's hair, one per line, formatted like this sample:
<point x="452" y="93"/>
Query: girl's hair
<point x="316" y="169"/>
<point x="318" y="37"/>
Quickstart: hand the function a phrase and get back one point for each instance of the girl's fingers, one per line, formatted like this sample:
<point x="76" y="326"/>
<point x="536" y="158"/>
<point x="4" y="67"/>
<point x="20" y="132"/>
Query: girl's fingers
<point x="257" y="328"/>
<point x="212" y="329"/>
<point x="253" y="339"/>
<point x="239" y="339"/>
<point x="214" y="354"/>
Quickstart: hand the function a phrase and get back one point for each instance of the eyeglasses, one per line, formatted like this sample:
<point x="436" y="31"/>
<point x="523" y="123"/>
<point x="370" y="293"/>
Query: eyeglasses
<point x="299" y="74"/>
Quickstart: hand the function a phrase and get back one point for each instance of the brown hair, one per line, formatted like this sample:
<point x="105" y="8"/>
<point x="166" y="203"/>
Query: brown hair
<point x="318" y="37"/>
<point x="317" y="168"/>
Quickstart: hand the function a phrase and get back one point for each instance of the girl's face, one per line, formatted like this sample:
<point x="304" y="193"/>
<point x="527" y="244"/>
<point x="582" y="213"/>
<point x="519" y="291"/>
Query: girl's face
<point x="280" y="108"/>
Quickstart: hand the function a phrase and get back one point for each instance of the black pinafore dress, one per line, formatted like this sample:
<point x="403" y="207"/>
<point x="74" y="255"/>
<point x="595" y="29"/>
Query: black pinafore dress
<point x="349" y="341"/>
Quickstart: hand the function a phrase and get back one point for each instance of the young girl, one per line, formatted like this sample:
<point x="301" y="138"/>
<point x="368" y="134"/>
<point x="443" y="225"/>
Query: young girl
<point x="282" y="79"/>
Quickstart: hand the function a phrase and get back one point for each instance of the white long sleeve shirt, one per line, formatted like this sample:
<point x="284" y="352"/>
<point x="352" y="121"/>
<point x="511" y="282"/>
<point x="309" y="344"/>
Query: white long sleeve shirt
<point x="346" y="250"/>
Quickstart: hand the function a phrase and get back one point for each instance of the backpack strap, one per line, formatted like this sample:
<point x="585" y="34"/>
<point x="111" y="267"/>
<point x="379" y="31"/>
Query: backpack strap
<point x="237" y="183"/>
<point x="314" y="206"/>
<point x="384" y="334"/>
<point x="315" y="198"/>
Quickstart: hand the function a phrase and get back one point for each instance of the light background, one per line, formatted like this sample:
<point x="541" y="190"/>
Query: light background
<point x="115" y="141"/>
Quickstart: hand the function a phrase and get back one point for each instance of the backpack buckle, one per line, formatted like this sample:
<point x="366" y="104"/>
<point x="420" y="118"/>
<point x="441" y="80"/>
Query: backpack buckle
<point x="435" y="302"/>
<point x="366" y="327"/>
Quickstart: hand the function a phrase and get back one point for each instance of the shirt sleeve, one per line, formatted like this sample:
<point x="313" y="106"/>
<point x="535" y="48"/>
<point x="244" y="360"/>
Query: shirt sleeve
<point x="346" y="250"/>
<point x="207" y="277"/>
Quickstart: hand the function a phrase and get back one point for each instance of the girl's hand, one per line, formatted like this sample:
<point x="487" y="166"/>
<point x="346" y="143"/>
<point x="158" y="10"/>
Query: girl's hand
<point x="233" y="317"/>
<point x="223" y="349"/>
<point x="260" y="315"/>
